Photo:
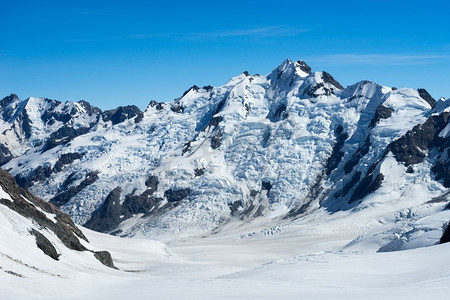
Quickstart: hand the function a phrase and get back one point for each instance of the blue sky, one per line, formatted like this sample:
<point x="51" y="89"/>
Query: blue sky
<point x="113" y="53"/>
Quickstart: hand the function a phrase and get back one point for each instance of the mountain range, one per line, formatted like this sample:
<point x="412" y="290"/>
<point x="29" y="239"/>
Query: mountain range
<point x="261" y="148"/>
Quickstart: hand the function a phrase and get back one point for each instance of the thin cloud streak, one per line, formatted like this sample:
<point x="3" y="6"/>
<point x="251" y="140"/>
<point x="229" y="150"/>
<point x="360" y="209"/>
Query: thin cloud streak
<point x="259" y="32"/>
<point x="377" y="59"/>
<point x="270" y="31"/>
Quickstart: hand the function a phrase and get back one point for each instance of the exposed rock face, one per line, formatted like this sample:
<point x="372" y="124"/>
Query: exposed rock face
<point x="107" y="216"/>
<point x="446" y="236"/>
<point x="68" y="192"/>
<point x="152" y="182"/>
<point x="411" y="148"/>
<point x="360" y="153"/>
<point x="37" y="175"/>
<point x="177" y="108"/>
<point x="123" y="113"/>
<point x="423" y="93"/>
<point x="382" y="112"/>
<point x="304" y="67"/>
<point x="329" y="79"/>
<point x="216" y="141"/>
<point x="366" y="186"/>
<point x="176" y="195"/>
<point x="5" y="155"/>
<point x="64" y="135"/>
<point x="336" y="155"/>
<point x="319" y="89"/>
<point x="112" y="212"/>
<point x="157" y="105"/>
<point x="45" y="245"/>
<point x="105" y="258"/>
<point x="66" y="159"/>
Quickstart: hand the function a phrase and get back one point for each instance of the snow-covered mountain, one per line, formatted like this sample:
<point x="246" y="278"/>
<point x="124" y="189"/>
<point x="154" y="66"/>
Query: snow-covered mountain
<point x="267" y="148"/>
<point x="38" y="238"/>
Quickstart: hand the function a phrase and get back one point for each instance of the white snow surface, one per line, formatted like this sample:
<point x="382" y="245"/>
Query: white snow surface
<point x="309" y="258"/>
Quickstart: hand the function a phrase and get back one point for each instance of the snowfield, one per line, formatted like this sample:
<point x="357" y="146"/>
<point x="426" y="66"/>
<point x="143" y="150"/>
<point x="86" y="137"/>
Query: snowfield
<point x="319" y="257"/>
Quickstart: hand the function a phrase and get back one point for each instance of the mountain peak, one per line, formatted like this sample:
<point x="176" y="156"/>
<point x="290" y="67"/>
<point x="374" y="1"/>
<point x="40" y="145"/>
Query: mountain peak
<point x="303" y="67"/>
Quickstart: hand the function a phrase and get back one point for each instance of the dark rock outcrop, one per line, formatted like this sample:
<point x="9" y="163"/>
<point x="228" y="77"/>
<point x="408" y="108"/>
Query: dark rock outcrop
<point x="122" y="113"/>
<point x="157" y="105"/>
<point x="199" y="172"/>
<point x="382" y="112"/>
<point x="152" y="182"/>
<point x="411" y="148"/>
<point x="446" y="236"/>
<point x="138" y="204"/>
<point x="37" y="175"/>
<point x="8" y="100"/>
<point x="67" y="193"/>
<point x="312" y="91"/>
<point x="349" y="185"/>
<point x="90" y="109"/>
<point x="366" y="186"/>
<point x="25" y="124"/>
<point x="329" y="79"/>
<point x="111" y="213"/>
<point x="177" y="108"/>
<point x="6" y="113"/>
<point x="66" y="159"/>
<point x="105" y="258"/>
<point x="266" y="186"/>
<point x="362" y="150"/>
<point x="304" y="67"/>
<point x="423" y="93"/>
<point x="336" y="155"/>
<point x="216" y="140"/>
<point x="44" y="244"/>
<point x="441" y="170"/>
<point x="278" y="113"/>
<point x="107" y="216"/>
<point x="63" y="135"/>
<point x="176" y="195"/>
<point x="5" y="155"/>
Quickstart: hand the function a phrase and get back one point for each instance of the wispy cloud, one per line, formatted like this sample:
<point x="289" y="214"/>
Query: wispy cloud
<point x="377" y="59"/>
<point x="261" y="32"/>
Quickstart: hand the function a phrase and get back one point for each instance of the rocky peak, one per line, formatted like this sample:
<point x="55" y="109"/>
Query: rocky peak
<point x="123" y="113"/>
<point x="423" y="93"/>
<point x="8" y="100"/>
<point x="327" y="78"/>
<point x="303" y="66"/>
<point x="88" y="108"/>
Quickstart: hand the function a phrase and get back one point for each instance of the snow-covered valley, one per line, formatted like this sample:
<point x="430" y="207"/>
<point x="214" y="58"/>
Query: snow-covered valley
<point x="306" y="259"/>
